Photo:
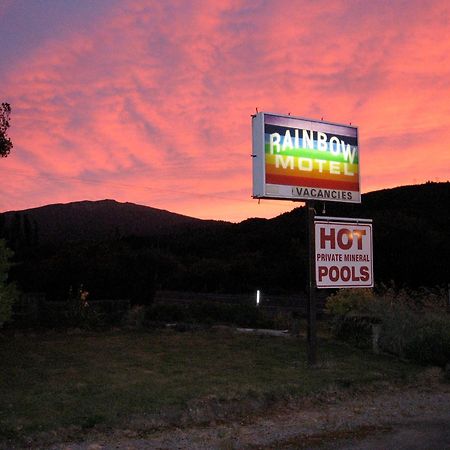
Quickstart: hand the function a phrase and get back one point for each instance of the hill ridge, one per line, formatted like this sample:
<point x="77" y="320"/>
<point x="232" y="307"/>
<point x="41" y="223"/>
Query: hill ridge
<point x="93" y="219"/>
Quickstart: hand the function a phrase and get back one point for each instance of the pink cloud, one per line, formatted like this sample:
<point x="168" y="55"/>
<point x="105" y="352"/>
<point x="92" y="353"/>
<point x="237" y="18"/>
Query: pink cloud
<point x="152" y="103"/>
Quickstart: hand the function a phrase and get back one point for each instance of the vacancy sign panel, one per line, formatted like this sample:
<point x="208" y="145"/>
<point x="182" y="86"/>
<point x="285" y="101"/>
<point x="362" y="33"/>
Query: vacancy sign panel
<point x="343" y="252"/>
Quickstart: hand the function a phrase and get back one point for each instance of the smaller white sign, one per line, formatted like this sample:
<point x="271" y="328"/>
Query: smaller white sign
<point x="343" y="256"/>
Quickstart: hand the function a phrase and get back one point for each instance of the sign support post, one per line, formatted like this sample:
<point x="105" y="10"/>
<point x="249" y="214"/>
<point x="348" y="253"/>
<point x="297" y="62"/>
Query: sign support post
<point x="311" y="332"/>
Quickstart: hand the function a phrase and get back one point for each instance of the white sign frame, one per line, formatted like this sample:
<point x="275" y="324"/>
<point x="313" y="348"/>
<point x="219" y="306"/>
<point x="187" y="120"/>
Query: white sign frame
<point x="343" y="256"/>
<point x="310" y="171"/>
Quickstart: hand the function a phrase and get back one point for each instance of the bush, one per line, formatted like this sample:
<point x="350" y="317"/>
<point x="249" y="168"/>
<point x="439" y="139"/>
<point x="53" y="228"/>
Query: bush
<point x="419" y="300"/>
<point x="413" y="324"/>
<point x="345" y="301"/>
<point x="352" y="312"/>
<point x="421" y="338"/>
<point x="398" y="326"/>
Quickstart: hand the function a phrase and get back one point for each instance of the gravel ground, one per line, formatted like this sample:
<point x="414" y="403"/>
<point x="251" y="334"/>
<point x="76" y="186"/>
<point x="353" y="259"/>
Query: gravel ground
<point x="410" y="417"/>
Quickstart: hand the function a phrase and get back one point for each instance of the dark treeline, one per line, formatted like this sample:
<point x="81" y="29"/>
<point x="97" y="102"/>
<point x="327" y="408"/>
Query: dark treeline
<point x="220" y="258"/>
<point x="411" y="248"/>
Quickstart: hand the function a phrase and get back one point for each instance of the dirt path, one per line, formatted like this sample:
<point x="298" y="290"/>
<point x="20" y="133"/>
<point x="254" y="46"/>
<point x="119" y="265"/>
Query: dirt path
<point x="413" y="417"/>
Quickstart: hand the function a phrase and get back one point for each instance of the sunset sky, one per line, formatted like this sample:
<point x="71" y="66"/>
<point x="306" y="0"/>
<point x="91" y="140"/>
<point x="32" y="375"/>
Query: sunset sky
<point x="150" y="102"/>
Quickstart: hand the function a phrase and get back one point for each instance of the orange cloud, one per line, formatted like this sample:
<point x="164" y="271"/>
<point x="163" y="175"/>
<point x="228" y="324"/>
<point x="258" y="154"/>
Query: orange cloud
<point x="151" y="102"/>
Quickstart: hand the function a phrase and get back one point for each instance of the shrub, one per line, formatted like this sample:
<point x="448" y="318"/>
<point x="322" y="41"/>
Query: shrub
<point x="421" y="338"/>
<point x="412" y="323"/>
<point x="352" y="311"/>
<point x="399" y="324"/>
<point x="421" y="300"/>
<point x="348" y="300"/>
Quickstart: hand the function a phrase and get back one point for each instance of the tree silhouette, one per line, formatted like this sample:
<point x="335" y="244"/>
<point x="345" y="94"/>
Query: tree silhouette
<point x="5" y="142"/>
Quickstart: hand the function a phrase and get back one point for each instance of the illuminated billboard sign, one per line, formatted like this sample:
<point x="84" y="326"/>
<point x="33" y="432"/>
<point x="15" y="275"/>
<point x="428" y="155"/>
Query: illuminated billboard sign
<point x="343" y="252"/>
<point x="301" y="159"/>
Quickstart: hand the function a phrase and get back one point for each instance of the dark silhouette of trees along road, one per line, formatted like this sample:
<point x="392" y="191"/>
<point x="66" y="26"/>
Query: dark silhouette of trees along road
<point x="8" y="293"/>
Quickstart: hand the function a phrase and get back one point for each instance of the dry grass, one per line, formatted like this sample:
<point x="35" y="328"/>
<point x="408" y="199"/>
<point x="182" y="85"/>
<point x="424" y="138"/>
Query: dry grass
<point x="59" y="380"/>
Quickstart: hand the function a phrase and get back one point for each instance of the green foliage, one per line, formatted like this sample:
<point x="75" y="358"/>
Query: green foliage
<point x="352" y="311"/>
<point x="414" y="324"/>
<point x="5" y="142"/>
<point x="345" y="301"/>
<point x="8" y="292"/>
<point x="421" y="299"/>
<point x="431" y="342"/>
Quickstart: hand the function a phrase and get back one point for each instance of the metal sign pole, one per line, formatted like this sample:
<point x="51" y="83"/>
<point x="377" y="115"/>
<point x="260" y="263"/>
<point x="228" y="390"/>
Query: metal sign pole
<point x="311" y="306"/>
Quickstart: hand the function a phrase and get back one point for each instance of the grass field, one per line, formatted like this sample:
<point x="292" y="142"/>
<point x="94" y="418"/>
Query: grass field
<point x="58" y="380"/>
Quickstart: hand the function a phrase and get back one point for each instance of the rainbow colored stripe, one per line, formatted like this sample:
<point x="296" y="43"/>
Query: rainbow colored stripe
<point x="307" y="167"/>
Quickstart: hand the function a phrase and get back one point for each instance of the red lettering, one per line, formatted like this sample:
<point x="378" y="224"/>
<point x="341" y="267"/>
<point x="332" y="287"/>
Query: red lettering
<point x="344" y="238"/>
<point x="324" y="237"/>
<point x="340" y="238"/>
<point x="322" y="272"/>
<point x="359" y="235"/>
<point x="346" y="274"/>
<point x="354" y="277"/>
<point x="364" y="271"/>
<point x="334" y="273"/>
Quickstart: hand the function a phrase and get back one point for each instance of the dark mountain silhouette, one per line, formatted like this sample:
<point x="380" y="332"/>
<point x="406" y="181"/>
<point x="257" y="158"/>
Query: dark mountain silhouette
<point x="94" y="220"/>
<point x="123" y="250"/>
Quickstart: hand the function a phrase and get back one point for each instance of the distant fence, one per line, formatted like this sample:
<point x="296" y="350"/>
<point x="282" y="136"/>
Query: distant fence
<point x="181" y="297"/>
<point x="33" y="309"/>
<point x="270" y="303"/>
